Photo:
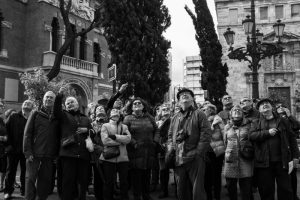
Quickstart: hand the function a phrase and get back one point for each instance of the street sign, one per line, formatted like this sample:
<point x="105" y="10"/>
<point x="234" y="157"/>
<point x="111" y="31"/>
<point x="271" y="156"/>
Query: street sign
<point x="112" y="73"/>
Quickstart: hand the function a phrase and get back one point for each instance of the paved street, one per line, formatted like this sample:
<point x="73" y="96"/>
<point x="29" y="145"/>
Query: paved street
<point x="54" y="196"/>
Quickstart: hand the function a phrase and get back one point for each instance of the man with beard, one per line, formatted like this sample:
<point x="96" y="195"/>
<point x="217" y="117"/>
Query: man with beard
<point x="189" y="135"/>
<point x="227" y="105"/>
<point x="275" y="145"/>
<point x="249" y="111"/>
<point x="40" y="147"/>
<point x="15" y="127"/>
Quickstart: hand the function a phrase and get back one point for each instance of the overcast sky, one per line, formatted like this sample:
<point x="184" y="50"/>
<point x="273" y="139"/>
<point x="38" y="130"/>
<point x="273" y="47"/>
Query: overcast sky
<point x="181" y="33"/>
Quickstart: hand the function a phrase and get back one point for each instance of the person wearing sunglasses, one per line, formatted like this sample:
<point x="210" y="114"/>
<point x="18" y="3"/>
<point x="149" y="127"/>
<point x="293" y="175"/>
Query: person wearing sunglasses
<point x="142" y="147"/>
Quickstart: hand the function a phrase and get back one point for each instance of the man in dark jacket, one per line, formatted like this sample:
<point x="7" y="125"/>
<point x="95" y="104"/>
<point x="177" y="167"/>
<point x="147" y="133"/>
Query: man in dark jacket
<point x="275" y="145"/>
<point x="190" y="136"/>
<point x="15" y="127"/>
<point x="284" y="112"/>
<point x="40" y="147"/>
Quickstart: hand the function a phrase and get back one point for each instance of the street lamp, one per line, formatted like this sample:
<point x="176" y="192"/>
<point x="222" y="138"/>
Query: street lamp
<point x="255" y="50"/>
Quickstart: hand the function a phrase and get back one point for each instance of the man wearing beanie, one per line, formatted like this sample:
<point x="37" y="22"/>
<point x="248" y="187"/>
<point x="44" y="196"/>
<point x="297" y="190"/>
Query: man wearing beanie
<point x="189" y="137"/>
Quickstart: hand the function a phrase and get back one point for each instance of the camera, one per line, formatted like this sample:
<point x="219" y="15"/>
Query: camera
<point x="181" y="136"/>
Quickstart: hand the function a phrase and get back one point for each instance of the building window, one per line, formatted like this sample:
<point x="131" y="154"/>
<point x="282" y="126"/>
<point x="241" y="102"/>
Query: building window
<point x="1" y="30"/>
<point x="11" y="89"/>
<point x="82" y="50"/>
<point x="279" y="12"/>
<point x="263" y="13"/>
<point x="72" y="45"/>
<point x="247" y="12"/>
<point x="295" y="10"/>
<point x="97" y="56"/>
<point x="54" y="34"/>
<point x="233" y="16"/>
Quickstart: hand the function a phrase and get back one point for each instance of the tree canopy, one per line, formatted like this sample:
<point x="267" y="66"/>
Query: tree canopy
<point x="134" y="31"/>
<point x="214" y="73"/>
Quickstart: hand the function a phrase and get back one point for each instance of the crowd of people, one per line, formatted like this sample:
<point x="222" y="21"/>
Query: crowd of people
<point x="127" y="147"/>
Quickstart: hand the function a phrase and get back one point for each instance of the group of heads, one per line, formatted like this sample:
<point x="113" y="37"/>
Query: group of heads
<point x="71" y="102"/>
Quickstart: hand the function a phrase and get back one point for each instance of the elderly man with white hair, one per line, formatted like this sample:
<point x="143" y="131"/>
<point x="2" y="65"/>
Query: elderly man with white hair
<point x="74" y="149"/>
<point x="40" y="147"/>
<point x="15" y="128"/>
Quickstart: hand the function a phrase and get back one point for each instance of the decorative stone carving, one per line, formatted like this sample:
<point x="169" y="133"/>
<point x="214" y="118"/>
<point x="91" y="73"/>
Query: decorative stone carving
<point x="79" y="7"/>
<point x="279" y="82"/>
<point x="289" y="66"/>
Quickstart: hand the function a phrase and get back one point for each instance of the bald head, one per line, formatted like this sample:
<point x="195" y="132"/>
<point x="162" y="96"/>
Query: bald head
<point x="48" y="100"/>
<point x="71" y="104"/>
<point x="27" y="106"/>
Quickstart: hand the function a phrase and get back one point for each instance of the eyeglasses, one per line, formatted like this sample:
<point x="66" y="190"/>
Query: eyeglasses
<point x="137" y="103"/>
<point x="226" y="98"/>
<point x="165" y="109"/>
<point x="279" y="106"/>
<point x="237" y="110"/>
<point x="245" y="100"/>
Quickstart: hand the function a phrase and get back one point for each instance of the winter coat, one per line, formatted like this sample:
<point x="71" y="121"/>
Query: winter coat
<point x="163" y="133"/>
<point x="260" y="136"/>
<point x="3" y="132"/>
<point x="15" y="129"/>
<point x="123" y="137"/>
<point x="41" y="135"/>
<point x="98" y="145"/>
<point x="235" y="165"/>
<point x="197" y="128"/>
<point x="217" y="141"/>
<point x="69" y="123"/>
<point x="144" y="134"/>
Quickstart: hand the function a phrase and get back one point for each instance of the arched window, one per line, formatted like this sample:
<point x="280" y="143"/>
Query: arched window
<point x="72" y="46"/>
<point x="1" y="36"/>
<point x="82" y="48"/>
<point x="97" y="56"/>
<point x="54" y="34"/>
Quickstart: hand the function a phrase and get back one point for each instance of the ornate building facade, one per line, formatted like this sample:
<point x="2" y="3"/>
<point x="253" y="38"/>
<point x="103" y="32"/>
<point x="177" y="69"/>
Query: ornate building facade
<point x="279" y="76"/>
<point x="32" y="31"/>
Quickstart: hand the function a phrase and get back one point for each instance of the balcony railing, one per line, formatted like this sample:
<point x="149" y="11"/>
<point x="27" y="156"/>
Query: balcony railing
<point x="70" y="64"/>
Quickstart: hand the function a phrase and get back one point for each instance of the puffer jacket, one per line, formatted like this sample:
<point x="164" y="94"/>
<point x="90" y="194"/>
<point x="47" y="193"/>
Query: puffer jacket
<point x="198" y="130"/>
<point x="41" y="135"/>
<point x="144" y="134"/>
<point x="260" y="136"/>
<point x="123" y="137"/>
<point x="217" y="141"/>
<point x="235" y="165"/>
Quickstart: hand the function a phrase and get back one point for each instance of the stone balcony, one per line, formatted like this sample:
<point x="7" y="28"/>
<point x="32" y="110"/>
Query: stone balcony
<point x="71" y="65"/>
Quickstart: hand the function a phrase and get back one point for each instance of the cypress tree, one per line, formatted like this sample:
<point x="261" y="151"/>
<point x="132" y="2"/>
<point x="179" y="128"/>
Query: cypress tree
<point x="133" y="29"/>
<point x="214" y="73"/>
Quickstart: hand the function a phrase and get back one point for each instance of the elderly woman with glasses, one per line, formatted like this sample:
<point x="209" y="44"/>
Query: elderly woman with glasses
<point x="237" y="168"/>
<point x="215" y="154"/>
<point x="141" y="149"/>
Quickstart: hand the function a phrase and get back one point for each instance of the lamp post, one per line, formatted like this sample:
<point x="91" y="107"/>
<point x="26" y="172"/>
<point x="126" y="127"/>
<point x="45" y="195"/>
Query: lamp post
<point x="255" y="50"/>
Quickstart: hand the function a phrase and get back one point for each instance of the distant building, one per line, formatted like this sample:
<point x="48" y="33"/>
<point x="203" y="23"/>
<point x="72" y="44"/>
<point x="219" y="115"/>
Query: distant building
<point x="31" y="32"/>
<point x="192" y="77"/>
<point x="168" y="95"/>
<point x="279" y="77"/>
